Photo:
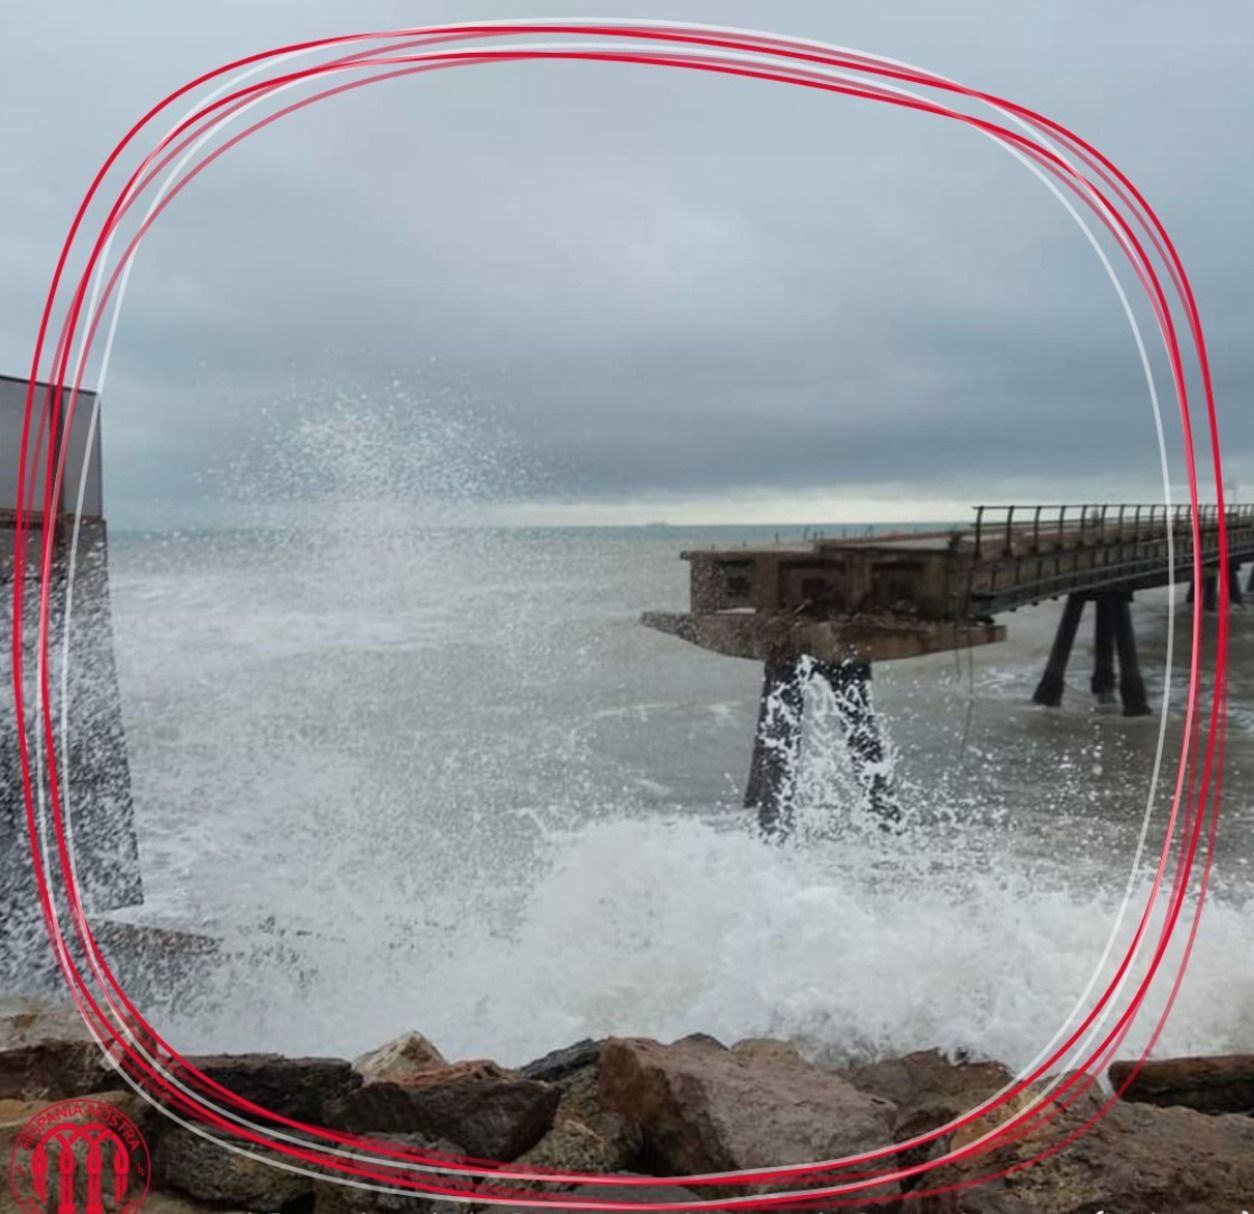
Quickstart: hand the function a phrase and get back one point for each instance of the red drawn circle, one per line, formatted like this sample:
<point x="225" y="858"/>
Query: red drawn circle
<point x="1073" y="165"/>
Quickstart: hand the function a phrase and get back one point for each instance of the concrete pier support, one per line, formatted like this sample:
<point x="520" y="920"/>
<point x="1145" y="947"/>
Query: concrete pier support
<point x="1103" y="681"/>
<point x="1049" y="689"/>
<point x="1209" y="591"/>
<point x="1234" y="583"/>
<point x="851" y="685"/>
<point x="1113" y="635"/>
<point x="1249" y="585"/>
<point x="777" y="746"/>
<point x="774" y="769"/>
<point x="1131" y="685"/>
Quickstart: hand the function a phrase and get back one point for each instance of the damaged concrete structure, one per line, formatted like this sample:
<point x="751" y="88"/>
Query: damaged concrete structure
<point x="93" y="775"/>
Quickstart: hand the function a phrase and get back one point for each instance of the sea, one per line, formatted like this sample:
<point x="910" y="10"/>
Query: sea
<point x="439" y="778"/>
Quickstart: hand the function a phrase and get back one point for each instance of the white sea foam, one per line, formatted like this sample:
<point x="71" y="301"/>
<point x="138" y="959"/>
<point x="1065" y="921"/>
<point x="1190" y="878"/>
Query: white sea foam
<point x="433" y="779"/>
<point x="663" y="928"/>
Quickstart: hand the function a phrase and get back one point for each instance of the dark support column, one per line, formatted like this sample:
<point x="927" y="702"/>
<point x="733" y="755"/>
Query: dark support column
<point x="1234" y="582"/>
<point x="1103" y="681"/>
<point x="1049" y="689"/>
<point x="1131" y="685"/>
<point x="1249" y="586"/>
<point x="851" y="685"/>
<point x="1210" y="590"/>
<point x="777" y="746"/>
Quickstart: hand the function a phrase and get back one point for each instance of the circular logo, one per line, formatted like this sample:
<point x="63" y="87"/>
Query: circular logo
<point x="80" y="1157"/>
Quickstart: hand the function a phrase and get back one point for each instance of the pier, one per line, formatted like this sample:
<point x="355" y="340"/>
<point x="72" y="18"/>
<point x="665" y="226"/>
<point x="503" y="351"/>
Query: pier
<point x="831" y="608"/>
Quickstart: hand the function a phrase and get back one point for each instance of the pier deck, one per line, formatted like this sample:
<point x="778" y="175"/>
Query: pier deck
<point x="877" y="598"/>
<point x="829" y="609"/>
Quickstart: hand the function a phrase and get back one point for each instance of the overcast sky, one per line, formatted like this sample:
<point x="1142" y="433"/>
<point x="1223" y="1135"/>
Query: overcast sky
<point x="631" y="294"/>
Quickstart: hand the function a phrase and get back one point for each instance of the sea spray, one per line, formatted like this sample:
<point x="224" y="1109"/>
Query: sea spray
<point x="421" y="775"/>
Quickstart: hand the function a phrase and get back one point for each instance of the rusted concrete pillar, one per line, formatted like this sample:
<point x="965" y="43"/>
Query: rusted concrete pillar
<point x="1234" y="583"/>
<point x="1131" y="685"/>
<point x="851" y="686"/>
<point x="1049" y="689"/>
<point x="777" y="746"/>
<point x="1103" y="681"/>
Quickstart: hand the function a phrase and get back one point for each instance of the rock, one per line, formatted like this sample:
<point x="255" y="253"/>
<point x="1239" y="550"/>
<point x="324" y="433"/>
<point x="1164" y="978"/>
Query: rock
<point x="14" y="1114"/>
<point x="399" y="1059"/>
<point x="768" y="1049"/>
<point x="704" y="1108"/>
<point x="927" y="1088"/>
<point x="376" y="1108"/>
<point x="585" y="1137"/>
<point x="929" y="1091"/>
<point x="1138" y="1159"/>
<point x="160" y="1201"/>
<point x="210" y="1170"/>
<point x="491" y="1112"/>
<point x="55" y="1070"/>
<point x="46" y="1053"/>
<point x="26" y="1021"/>
<point x="292" y="1087"/>
<point x="332" y="1197"/>
<point x="1220" y="1084"/>
<point x="609" y="1192"/>
<point x="571" y="1146"/>
<point x="558" y="1064"/>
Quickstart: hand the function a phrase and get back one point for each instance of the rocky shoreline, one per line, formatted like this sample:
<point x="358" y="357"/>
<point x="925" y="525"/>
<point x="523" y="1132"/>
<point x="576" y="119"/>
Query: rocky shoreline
<point x="1181" y="1141"/>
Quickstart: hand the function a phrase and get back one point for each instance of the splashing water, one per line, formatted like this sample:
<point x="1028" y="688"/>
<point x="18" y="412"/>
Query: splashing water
<point x="419" y="775"/>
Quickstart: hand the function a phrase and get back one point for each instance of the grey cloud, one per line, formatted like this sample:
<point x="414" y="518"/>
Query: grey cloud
<point x="654" y="284"/>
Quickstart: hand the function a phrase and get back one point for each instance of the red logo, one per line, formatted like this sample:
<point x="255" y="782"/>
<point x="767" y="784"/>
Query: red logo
<point x="80" y="1157"/>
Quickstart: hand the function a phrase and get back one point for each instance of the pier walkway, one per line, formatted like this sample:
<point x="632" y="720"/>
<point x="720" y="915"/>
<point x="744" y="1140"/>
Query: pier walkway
<point x="830" y="608"/>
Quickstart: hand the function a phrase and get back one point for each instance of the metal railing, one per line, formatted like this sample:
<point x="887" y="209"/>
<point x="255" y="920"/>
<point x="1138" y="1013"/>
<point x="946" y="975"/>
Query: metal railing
<point x="1012" y="548"/>
<point x="1063" y="523"/>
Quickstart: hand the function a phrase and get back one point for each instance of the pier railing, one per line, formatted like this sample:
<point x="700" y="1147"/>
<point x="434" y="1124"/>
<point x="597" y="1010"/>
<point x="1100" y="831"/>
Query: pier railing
<point x="1010" y="525"/>
<point x="1016" y="555"/>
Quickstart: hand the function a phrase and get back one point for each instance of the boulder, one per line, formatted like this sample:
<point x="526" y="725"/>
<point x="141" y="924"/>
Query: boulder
<point x="585" y="1137"/>
<point x="291" y="1087"/>
<point x="1220" y="1084"/>
<point x="46" y="1053"/>
<point x="210" y="1170"/>
<point x="559" y="1064"/>
<point x="399" y="1060"/>
<point x="609" y="1192"/>
<point x="704" y="1108"/>
<point x="336" y="1197"/>
<point x="928" y="1091"/>
<point x="375" y="1108"/>
<point x="24" y="1021"/>
<point x="1138" y="1159"/>
<point x="161" y="1201"/>
<point x="766" y="1049"/>
<point x="491" y="1112"/>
